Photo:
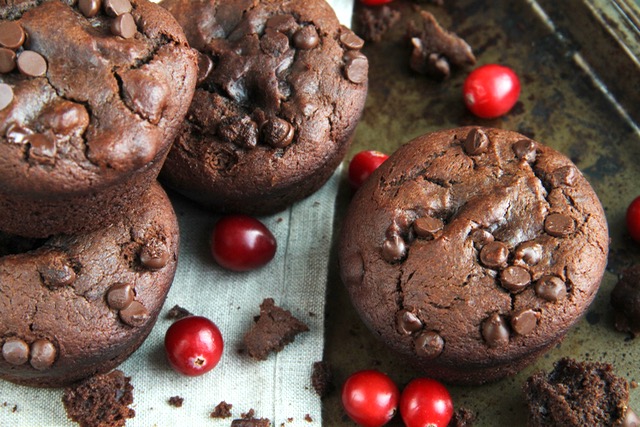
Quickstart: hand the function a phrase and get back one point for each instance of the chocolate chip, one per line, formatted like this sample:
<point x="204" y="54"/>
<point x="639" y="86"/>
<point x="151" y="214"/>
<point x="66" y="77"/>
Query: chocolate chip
<point x="42" y="149"/>
<point x="524" y="321"/>
<point x="144" y="94"/>
<point x="351" y="41"/>
<point x="124" y="26"/>
<point x="65" y="117"/>
<point x="514" y="278"/>
<point x="356" y="67"/>
<point x="116" y="8"/>
<point x="495" y="331"/>
<point x="476" y="142"/>
<point x="7" y="60"/>
<point x="407" y="322"/>
<point x="31" y="64"/>
<point x="306" y="38"/>
<point x="57" y="274"/>
<point x="11" y="34"/>
<point x="528" y="252"/>
<point x="494" y="255"/>
<point x="480" y="238"/>
<point x="89" y="8"/>
<point x="135" y="314"/>
<point x="566" y="175"/>
<point x="559" y="225"/>
<point x="43" y="354"/>
<point x="120" y="296"/>
<point x="630" y="419"/>
<point x="17" y="134"/>
<point x="273" y="42"/>
<point x="15" y="351"/>
<point x="394" y="249"/>
<point x="525" y="149"/>
<point x="241" y="131"/>
<point x="6" y="95"/>
<point x="426" y="227"/>
<point x="154" y="254"/>
<point x="278" y="133"/>
<point x="282" y="23"/>
<point x="551" y="288"/>
<point x="205" y="66"/>
<point x="428" y="345"/>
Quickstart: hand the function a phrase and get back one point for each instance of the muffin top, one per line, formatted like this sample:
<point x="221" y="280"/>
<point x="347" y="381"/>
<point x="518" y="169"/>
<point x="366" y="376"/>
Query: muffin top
<point x="88" y="94"/>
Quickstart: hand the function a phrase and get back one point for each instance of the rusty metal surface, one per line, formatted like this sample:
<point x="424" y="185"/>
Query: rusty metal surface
<point x="560" y="106"/>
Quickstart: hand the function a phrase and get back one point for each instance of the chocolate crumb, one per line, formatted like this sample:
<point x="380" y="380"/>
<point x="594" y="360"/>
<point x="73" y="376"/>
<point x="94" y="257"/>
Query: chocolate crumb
<point x="176" y="401"/>
<point x="322" y="378"/>
<point x="462" y="418"/>
<point x="633" y="384"/>
<point x="177" y="313"/>
<point x="15" y="408"/>
<point x="625" y="299"/>
<point x="248" y="420"/>
<point x="308" y="418"/>
<point x="222" y="410"/>
<point x="374" y="22"/>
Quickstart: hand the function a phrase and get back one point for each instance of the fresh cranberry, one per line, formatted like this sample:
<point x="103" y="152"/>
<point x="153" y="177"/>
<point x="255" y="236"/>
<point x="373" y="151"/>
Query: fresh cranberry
<point x="425" y="402"/>
<point x="491" y="90"/>
<point x="362" y="166"/>
<point x="375" y="2"/>
<point x="193" y="345"/>
<point x="633" y="219"/>
<point x="242" y="243"/>
<point x="370" y="398"/>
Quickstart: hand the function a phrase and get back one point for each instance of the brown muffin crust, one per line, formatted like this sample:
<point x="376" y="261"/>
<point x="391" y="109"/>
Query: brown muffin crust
<point x="281" y="88"/>
<point x="471" y="251"/>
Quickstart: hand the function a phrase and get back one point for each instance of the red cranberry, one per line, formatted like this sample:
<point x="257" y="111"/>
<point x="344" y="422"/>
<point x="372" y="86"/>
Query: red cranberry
<point x="362" y="166"/>
<point x="370" y="398"/>
<point x="242" y="243"/>
<point x="491" y="90"/>
<point x="193" y="345"/>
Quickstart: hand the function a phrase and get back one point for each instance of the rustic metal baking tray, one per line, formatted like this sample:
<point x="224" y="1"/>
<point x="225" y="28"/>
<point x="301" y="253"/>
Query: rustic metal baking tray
<point x="579" y="67"/>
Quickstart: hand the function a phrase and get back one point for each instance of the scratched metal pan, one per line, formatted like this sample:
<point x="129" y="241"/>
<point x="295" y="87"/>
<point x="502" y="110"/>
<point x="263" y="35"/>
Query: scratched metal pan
<point x="566" y="53"/>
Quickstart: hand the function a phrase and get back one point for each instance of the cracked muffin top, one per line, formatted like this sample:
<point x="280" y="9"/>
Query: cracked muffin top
<point x="281" y="87"/>
<point x="90" y="92"/>
<point x="473" y="248"/>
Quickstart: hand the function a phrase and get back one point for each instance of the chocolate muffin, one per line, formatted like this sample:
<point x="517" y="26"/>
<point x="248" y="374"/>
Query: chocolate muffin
<point x="472" y="251"/>
<point x="91" y="101"/>
<point x="75" y="305"/>
<point x="280" y="91"/>
<point x="625" y="299"/>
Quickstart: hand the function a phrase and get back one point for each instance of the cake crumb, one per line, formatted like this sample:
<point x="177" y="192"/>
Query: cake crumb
<point x="177" y="313"/>
<point x="308" y="418"/>
<point x="222" y="410"/>
<point x="248" y="420"/>
<point x="374" y="22"/>
<point x="633" y="384"/>
<point x="176" y="401"/>
<point x="462" y="418"/>
<point x="322" y="378"/>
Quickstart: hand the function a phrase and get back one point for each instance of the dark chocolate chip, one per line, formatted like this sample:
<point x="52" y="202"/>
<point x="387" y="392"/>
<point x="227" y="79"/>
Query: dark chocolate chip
<point x="407" y="322"/>
<point x="356" y="67"/>
<point x="559" y="225"/>
<point x="282" y="23"/>
<point x="6" y="95"/>
<point x="476" y="142"/>
<point x="351" y="41"/>
<point x="565" y="175"/>
<point x="116" y="8"/>
<point x="15" y="351"/>
<point x="43" y="354"/>
<point x="394" y="249"/>
<point x="514" y="278"/>
<point x="528" y="252"/>
<point x="524" y="321"/>
<point x="89" y="8"/>
<point x="426" y="227"/>
<point x="525" y="149"/>
<point x="495" y="331"/>
<point x="17" y="134"/>
<point x="42" y="149"/>
<point x="428" y="344"/>
<point x="11" y="34"/>
<point x="205" y="66"/>
<point x="31" y="64"/>
<point x="57" y="274"/>
<point x="124" y="26"/>
<point x="120" y="296"/>
<point x="551" y="288"/>
<point x="306" y="38"/>
<point x="480" y="238"/>
<point x="7" y="60"/>
<point x="154" y="254"/>
<point x="135" y="314"/>
<point x="278" y="132"/>
<point x="494" y="255"/>
<point x="274" y="43"/>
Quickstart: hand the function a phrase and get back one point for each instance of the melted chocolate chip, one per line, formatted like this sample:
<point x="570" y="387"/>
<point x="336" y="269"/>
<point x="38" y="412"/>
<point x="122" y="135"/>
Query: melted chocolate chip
<point x="495" y="331"/>
<point x="476" y="142"/>
<point x="480" y="238"/>
<point x="428" y="344"/>
<point x="6" y="95"/>
<point x="566" y="175"/>
<point x="273" y="42"/>
<point x="65" y="117"/>
<point x="43" y="354"/>
<point x="525" y="149"/>
<point x="356" y="67"/>
<point x="278" y="132"/>
<point x="524" y="321"/>
<point x="283" y="23"/>
<point x="630" y="419"/>
<point x="135" y="314"/>
<point x="116" y="8"/>
<point x="426" y="227"/>
<point x="7" y="60"/>
<point x="494" y="255"/>
<point x="120" y="296"/>
<point x="559" y="225"/>
<point x="407" y="322"/>
<point x="514" y="278"/>
<point x="42" y="149"/>
<point x="350" y="41"/>
<point x="89" y="8"/>
<point x="528" y="252"/>
<point x="551" y="288"/>
<point x="57" y="274"/>
<point x="205" y="66"/>
<point x="11" y="35"/>
<point x="124" y="26"/>
<point x="240" y="131"/>
<point x="154" y="254"/>
<point x="394" y="249"/>
<point x="306" y="38"/>
<point x="15" y="351"/>
<point x="31" y="64"/>
<point x="16" y="134"/>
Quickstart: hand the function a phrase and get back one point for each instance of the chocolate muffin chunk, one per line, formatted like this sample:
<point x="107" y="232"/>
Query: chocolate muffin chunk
<point x="75" y="305"/>
<point x="91" y="98"/>
<point x="472" y="251"/>
<point x="280" y="90"/>
<point x="625" y="300"/>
